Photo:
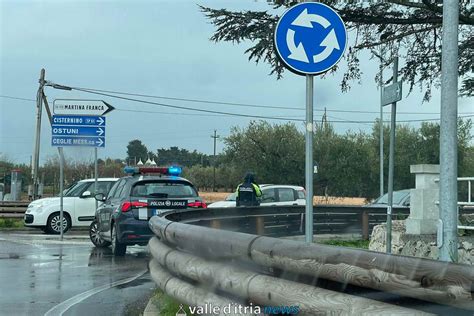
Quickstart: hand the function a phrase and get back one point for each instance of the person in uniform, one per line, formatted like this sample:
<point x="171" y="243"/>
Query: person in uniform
<point x="248" y="192"/>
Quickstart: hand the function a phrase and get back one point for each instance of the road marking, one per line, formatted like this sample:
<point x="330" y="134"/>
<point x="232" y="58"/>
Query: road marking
<point x="62" y="307"/>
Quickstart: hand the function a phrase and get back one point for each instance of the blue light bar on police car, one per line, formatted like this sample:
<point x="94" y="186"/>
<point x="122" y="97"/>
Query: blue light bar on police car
<point x="172" y="171"/>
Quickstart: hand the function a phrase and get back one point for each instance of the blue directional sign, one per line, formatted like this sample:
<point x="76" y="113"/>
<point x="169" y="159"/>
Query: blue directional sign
<point x="310" y="38"/>
<point x="78" y="120"/>
<point x="78" y="130"/>
<point x="60" y="141"/>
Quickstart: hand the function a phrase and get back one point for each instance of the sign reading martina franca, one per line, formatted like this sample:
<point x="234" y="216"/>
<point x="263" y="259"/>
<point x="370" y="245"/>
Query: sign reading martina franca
<point x="81" y="107"/>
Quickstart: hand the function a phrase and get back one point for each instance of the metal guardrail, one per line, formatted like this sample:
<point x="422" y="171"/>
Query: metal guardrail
<point x="469" y="200"/>
<point x="198" y="264"/>
<point x="13" y="209"/>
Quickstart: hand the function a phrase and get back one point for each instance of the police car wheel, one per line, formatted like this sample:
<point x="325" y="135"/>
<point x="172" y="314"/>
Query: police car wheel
<point x="118" y="249"/>
<point x="95" y="237"/>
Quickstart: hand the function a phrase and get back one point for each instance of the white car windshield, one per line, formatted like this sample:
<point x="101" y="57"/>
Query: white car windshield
<point x="77" y="189"/>
<point x="231" y="197"/>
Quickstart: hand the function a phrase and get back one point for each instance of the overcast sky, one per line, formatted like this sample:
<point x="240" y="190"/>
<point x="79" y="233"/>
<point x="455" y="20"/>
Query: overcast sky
<point x="157" y="48"/>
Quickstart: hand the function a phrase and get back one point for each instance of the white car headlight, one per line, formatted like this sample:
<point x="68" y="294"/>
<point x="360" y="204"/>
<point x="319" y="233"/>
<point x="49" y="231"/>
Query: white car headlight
<point x="37" y="208"/>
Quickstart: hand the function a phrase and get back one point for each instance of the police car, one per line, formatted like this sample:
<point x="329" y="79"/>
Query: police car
<point x="123" y="217"/>
<point x="78" y="206"/>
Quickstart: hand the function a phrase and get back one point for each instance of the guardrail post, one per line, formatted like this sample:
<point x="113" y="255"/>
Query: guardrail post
<point x="215" y="223"/>
<point x="260" y="225"/>
<point x="365" y="225"/>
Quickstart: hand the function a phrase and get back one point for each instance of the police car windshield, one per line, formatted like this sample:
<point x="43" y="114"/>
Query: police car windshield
<point x="163" y="190"/>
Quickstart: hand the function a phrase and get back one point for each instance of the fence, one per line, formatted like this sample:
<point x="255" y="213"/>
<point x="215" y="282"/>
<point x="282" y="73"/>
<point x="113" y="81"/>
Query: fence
<point x="219" y="266"/>
<point x="12" y="209"/>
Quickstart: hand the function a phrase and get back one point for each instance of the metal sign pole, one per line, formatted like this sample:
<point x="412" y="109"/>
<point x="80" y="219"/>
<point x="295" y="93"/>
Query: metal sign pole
<point x="61" y="189"/>
<point x="391" y="161"/>
<point x="96" y="172"/>
<point x="381" y="125"/>
<point x="309" y="159"/>
<point x="448" y="133"/>
<point x="297" y="22"/>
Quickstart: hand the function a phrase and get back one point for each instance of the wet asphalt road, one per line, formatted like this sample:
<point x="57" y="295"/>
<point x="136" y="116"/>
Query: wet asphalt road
<point x="40" y="275"/>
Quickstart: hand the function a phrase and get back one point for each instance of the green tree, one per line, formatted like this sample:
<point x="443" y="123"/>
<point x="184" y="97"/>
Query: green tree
<point x="274" y="152"/>
<point x="419" y="146"/>
<point x="409" y="29"/>
<point x="344" y="163"/>
<point x="200" y="176"/>
<point x="136" y="151"/>
<point x="182" y="157"/>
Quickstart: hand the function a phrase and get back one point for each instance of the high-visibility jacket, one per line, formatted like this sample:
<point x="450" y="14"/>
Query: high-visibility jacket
<point x="247" y="194"/>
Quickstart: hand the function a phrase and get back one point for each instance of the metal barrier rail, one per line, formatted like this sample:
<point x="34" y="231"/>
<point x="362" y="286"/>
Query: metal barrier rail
<point x="13" y="209"/>
<point x="271" y="271"/>
<point x="289" y="220"/>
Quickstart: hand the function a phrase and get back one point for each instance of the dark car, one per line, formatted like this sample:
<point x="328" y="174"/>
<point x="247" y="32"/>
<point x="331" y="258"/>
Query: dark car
<point x="401" y="199"/>
<point x="122" y="219"/>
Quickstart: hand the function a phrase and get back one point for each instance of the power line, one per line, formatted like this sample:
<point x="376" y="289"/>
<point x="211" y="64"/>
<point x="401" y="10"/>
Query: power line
<point x="241" y="104"/>
<point x="338" y="119"/>
<point x="187" y="108"/>
<point x="16" y="98"/>
<point x="191" y="100"/>
<point x="221" y="113"/>
<point x="228" y="113"/>
<point x="196" y="114"/>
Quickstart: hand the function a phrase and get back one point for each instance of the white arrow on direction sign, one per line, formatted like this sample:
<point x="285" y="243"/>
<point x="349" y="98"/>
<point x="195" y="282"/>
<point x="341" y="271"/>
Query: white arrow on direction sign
<point x="100" y="131"/>
<point x="81" y="107"/>
<point x="305" y="19"/>
<point x="100" y="142"/>
<point x="100" y="120"/>
<point x="297" y="52"/>
<point x="330" y="43"/>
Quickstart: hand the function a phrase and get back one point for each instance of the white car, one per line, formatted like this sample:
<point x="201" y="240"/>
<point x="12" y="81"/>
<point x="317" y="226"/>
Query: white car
<point x="78" y="206"/>
<point x="272" y="195"/>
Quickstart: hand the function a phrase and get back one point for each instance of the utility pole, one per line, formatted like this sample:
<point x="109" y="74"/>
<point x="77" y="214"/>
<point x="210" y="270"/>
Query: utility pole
<point x="448" y="185"/>
<point x="215" y="136"/>
<point x="35" y="162"/>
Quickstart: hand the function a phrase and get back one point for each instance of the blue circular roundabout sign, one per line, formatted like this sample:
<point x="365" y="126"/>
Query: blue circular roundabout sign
<point x="310" y="38"/>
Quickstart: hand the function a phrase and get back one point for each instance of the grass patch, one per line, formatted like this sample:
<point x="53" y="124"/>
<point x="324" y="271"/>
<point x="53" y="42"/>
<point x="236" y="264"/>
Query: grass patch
<point x="11" y="223"/>
<point x="167" y="305"/>
<point x="362" y="244"/>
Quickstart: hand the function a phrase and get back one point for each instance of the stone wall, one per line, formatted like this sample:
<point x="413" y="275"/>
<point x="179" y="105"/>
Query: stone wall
<point x="417" y="245"/>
